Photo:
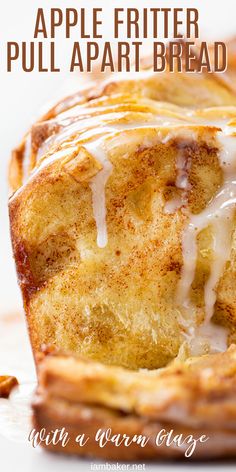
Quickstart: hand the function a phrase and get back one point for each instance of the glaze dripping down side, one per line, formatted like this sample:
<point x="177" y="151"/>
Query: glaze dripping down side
<point x="218" y="215"/>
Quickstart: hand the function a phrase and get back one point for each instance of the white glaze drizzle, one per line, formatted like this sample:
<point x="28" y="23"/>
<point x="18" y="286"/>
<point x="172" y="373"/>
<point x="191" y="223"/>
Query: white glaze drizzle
<point x="181" y="182"/>
<point x="27" y="156"/>
<point x="219" y="215"/>
<point x="98" y="188"/>
<point x="98" y="183"/>
<point x="94" y="125"/>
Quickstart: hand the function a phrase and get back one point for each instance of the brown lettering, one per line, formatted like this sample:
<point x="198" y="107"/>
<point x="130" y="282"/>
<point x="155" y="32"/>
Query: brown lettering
<point x="155" y="12"/>
<point x="117" y="21"/>
<point x="92" y="54"/>
<point x="220" y="60"/>
<point x="40" y="52"/>
<point x="177" y="22"/>
<point x="76" y="60"/>
<point x="158" y="57"/>
<point x="56" y="20"/>
<point x="123" y="56"/>
<point x="40" y="25"/>
<point x="190" y="57"/>
<point x="52" y="51"/>
<point x="192" y="23"/>
<point x="175" y="52"/>
<point x="137" y="45"/>
<point x="132" y="20"/>
<point x="12" y="54"/>
<point x="83" y="33"/>
<point x="204" y="58"/>
<point x="166" y="12"/>
<point x="107" y="59"/>
<point x="30" y="66"/>
<point x="96" y="22"/>
<point x="71" y="20"/>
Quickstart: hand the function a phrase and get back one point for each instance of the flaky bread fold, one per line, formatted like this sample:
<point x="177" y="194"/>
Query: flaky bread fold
<point x="196" y="397"/>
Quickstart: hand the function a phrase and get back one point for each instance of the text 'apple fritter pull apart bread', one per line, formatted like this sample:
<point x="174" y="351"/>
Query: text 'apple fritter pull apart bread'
<point x="124" y="235"/>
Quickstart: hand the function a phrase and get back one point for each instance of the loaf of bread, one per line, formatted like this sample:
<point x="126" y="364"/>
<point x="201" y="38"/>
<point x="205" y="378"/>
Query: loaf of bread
<point x="123" y="232"/>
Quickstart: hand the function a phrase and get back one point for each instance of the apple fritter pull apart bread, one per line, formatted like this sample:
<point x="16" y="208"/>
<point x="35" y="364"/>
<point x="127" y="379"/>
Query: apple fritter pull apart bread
<point x="124" y="236"/>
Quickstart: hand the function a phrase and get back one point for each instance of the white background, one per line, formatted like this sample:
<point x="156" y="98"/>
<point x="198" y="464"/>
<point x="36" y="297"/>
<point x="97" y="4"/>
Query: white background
<point x="22" y="98"/>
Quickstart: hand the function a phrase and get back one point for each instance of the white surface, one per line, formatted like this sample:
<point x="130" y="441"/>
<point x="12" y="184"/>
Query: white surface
<point x="21" y="97"/>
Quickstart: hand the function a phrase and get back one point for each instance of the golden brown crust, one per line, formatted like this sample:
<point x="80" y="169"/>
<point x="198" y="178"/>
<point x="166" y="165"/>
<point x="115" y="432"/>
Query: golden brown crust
<point x="197" y="397"/>
<point x="58" y="259"/>
<point x="7" y="383"/>
<point x="80" y="419"/>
